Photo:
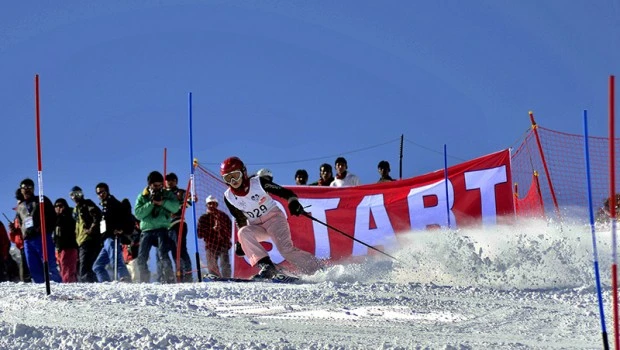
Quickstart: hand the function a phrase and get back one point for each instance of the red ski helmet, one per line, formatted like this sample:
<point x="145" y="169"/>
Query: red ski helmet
<point x="233" y="169"/>
<point x="231" y="164"/>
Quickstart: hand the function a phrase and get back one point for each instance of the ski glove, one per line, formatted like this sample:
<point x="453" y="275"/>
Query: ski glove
<point x="295" y="207"/>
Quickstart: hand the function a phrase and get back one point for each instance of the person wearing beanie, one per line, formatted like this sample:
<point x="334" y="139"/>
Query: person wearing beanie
<point x="29" y="219"/>
<point x="64" y="239"/>
<point x="215" y="228"/>
<point x="154" y="208"/>
<point x="173" y="232"/>
<point x="344" y="178"/>
<point x="87" y="233"/>
<point x="301" y="177"/>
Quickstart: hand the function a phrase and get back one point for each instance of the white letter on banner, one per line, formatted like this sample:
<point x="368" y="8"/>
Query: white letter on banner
<point x="382" y="235"/>
<point x="421" y="217"/>
<point x="318" y="207"/>
<point x="485" y="180"/>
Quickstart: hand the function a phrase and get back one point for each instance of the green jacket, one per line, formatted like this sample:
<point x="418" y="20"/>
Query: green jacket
<point x="153" y="217"/>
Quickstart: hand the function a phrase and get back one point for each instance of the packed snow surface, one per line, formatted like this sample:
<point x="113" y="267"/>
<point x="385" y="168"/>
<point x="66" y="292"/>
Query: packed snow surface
<point x="527" y="286"/>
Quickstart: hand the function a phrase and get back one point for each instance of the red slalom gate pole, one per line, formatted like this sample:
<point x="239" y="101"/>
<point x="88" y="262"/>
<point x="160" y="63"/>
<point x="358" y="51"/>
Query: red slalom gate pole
<point x="165" y="163"/>
<point x="612" y="208"/>
<point x="46" y="269"/>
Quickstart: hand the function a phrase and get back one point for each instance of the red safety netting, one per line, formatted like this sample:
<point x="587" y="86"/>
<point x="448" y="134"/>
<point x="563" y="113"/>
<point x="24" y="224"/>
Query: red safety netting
<point x="565" y="157"/>
<point x="530" y="206"/>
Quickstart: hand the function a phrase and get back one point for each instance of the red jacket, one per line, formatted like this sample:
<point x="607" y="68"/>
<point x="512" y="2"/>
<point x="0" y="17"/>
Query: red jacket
<point x="215" y="228"/>
<point x="16" y="235"/>
<point x="5" y="244"/>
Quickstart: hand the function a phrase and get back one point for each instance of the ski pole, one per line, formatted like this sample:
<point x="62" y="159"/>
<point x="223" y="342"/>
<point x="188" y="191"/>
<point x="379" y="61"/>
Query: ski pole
<point x="7" y="218"/>
<point x="115" y="257"/>
<point x="345" y="234"/>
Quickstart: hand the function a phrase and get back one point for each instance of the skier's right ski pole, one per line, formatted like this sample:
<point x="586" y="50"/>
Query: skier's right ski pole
<point x="347" y="235"/>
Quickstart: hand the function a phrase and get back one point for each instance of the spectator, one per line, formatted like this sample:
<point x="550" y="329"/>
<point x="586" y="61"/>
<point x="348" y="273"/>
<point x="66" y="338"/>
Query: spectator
<point x="258" y="217"/>
<point x="153" y="208"/>
<point x="30" y="222"/>
<point x="215" y="228"/>
<point x="384" y="170"/>
<point x="173" y="233"/>
<point x="8" y="267"/>
<point x="113" y="227"/>
<point x="326" y="176"/>
<point x="266" y="173"/>
<point x="344" y="178"/>
<point x="604" y="213"/>
<point x="64" y="239"/>
<point x="87" y="233"/>
<point x="130" y="250"/>
<point x="301" y="177"/>
<point x="15" y="234"/>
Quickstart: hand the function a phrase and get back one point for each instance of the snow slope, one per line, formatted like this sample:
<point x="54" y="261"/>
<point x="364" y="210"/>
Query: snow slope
<point x="521" y="287"/>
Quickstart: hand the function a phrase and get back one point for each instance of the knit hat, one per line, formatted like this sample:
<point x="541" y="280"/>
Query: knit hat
<point x="211" y="199"/>
<point x="155" y="176"/>
<point x="340" y="160"/>
<point x="26" y="182"/>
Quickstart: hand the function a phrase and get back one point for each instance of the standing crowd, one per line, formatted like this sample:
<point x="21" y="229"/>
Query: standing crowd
<point x="86" y="241"/>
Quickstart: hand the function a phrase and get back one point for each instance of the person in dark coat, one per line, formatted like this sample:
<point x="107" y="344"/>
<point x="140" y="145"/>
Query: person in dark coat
<point x="64" y="239"/>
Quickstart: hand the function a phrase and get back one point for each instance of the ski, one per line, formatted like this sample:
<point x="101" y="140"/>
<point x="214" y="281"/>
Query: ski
<point x="279" y="278"/>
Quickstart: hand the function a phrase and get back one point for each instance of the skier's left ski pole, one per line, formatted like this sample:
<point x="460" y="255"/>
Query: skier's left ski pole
<point x="347" y="235"/>
<point x="6" y="217"/>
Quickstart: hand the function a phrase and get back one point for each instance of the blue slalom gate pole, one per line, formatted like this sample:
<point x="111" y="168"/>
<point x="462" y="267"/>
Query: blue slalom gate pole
<point x="193" y="184"/>
<point x="445" y="175"/>
<point x="593" y="231"/>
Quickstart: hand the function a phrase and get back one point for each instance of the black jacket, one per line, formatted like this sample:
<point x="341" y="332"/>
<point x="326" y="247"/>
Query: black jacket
<point x="64" y="234"/>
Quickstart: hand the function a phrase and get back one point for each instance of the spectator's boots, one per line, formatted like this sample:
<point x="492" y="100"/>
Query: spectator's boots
<point x="267" y="269"/>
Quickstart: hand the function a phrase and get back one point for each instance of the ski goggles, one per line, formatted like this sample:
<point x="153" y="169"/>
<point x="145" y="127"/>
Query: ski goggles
<point x="76" y="194"/>
<point x="232" y="176"/>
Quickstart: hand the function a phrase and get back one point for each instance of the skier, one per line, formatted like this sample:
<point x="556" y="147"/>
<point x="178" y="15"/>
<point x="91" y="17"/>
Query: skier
<point x="258" y="217"/>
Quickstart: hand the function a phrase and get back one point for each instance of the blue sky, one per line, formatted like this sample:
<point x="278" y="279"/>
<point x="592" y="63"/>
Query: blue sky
<point x="280" y="82"/>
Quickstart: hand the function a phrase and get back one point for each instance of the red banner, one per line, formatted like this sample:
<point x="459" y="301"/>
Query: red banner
<point x="479" y="194"/>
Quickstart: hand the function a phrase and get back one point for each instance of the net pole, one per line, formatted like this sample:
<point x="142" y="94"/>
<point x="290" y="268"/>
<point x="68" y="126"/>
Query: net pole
<point x="544" y="162"/>
<point x="445" y="175"/>
<point x="612" y="208"/>
<point x="46" y="269"/>
<point x="593" y="231"/>
<point x="400" y="163"/>
<point x="192" y="163"/>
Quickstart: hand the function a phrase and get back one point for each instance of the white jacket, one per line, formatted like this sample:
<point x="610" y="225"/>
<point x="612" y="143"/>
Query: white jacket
<point x="349" y="180"/>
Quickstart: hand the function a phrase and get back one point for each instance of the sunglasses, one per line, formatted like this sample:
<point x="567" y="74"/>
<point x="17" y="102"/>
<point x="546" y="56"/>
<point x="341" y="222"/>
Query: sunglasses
<point x="102" y="192"/>
<point x="76" y="194"/>
<point x="233" y="175"/>
<point x="59" y="206"/>
<point x="24" y="187"/>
